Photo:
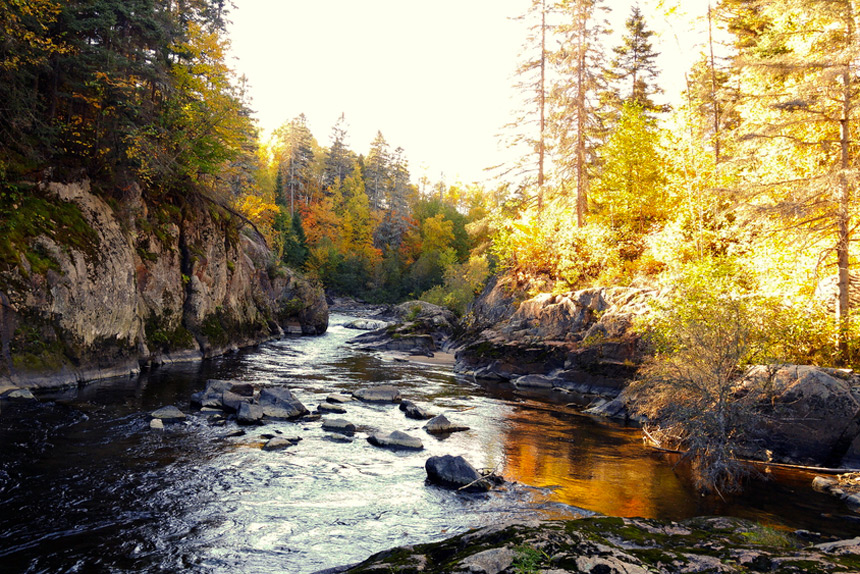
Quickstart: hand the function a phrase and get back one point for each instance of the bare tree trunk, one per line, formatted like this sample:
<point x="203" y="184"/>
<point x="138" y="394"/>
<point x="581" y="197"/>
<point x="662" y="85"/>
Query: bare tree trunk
<point x="542" y="103"/>
<point x="717" y="110"/>
<point x="581" y="176"/>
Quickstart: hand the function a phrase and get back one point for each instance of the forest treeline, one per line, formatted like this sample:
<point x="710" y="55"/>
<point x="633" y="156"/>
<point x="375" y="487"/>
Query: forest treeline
<point x="747" y="182"/>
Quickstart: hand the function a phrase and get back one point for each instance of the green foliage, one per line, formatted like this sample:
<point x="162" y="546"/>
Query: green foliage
<point x="27" y="214"/>
<point x="528" y="560"/>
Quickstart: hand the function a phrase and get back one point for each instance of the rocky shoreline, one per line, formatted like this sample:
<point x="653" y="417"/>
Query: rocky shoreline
<point x="606" y="545"/>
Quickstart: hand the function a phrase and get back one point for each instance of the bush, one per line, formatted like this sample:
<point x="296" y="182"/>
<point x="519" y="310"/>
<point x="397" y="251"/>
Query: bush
<point x="691" y="391"/>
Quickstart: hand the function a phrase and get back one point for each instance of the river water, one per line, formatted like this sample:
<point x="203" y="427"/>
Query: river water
<point x="86" y="486"/>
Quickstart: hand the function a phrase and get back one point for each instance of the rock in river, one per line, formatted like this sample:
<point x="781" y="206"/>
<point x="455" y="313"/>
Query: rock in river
<point x="280" y="403"/>
<point x="441" y="425"/>
<point x="330" y="408"/>
<point x="378" y="394"/>
<point x="250" y="414"/>
<point x="168" y="414"/>
<point x="413" y="411"/>
<point x="454" y="472"/>
<point x="396" y="440"/>
<point x="338" y="425"/>
<point x="278" y="443"/>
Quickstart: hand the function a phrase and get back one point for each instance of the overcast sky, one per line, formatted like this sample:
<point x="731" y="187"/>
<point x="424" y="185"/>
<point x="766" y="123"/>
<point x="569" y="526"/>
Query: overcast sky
<point x="434" y="77"/>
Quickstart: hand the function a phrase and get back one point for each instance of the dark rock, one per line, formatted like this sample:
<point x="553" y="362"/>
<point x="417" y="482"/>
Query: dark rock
<point x="235" y="433"/>
<point x="396" y="440"/>
<point x="280" y="403"/>
<point x="232" y="401"/>
<point x="413" y="411"/>
<point x="243" y="389"/>
<point x="455" y="472"/>
<point x="614" y="409"/>
<point x="441" y="425"/>
<point x="249" y="414"/>
<point x="338" y="425"/>
<point x="378" y="394"/>
<point x="168" y="414"/>
<point x="338" y="398"/>
<point x="325" y="408"/>
<point x="338" y="438"/>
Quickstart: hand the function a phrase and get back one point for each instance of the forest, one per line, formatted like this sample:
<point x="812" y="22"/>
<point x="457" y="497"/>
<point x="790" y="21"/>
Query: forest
<point x="744" y="191"/>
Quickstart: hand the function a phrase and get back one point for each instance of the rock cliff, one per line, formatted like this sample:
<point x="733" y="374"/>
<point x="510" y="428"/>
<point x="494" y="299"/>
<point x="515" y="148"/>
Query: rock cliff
<point x="94" y="285"/>
<point x="583" y="338"/>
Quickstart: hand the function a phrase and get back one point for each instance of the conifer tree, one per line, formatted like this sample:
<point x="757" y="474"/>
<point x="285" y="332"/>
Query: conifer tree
<point x="339" y="161"/>
<point x="634" y="67"/>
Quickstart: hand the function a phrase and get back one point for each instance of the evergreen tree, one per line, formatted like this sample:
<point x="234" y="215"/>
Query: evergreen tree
<point x="296" y="250"/>
<point x="800" y="105"/>
<point x="377" y="172"/>
<point x="339" y="161"/>
<point x="634" y="65"/>
<point x="296" y="159"/>
<point x="576" y="124"/>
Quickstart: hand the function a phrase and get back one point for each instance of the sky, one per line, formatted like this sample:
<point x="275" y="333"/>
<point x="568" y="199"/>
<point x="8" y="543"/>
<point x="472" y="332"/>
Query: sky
<point x="434" y="77"/>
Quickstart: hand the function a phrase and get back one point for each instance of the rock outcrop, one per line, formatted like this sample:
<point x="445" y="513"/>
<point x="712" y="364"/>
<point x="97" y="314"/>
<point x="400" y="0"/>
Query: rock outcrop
<point x="599" y="545"/>
<point x="417" y="328"/>
<point x="580" y="341"/>
<point x="102" y="283"/>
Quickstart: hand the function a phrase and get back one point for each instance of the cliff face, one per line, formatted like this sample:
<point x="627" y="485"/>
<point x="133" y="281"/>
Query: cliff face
<point x="91" y="289"/>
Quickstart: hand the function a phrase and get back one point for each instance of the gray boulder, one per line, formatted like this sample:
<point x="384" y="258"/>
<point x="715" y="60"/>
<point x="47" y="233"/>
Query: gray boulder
<point x="232" y="401"/>
<point x="455" y="472"/>
<point x="441" y="425"/>
<point x="534" y="382"/>
<point x="279" y="403"/>
<point x="366" y="324"/>
<point x="413" y="411"/>
<point x="168" y="414"/>
<point x="378" y="394"/>
<point x="339" y="426"/>
<point x="330" y="408"/>
<point x="249" y="414"/>
<point x="18" y="395"/>
<point x="396" y="440"/>
<point x="339" y="398"/>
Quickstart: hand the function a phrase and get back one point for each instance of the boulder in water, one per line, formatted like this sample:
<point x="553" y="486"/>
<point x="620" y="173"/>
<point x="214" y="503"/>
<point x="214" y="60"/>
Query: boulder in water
<point x="378" y="394"/>
<point x="280" y="403"/>
<point x="396" y="440"/>
<point x="168" y="414"/>
<point x="330" y="408"/>
<point x="441" y="425"/>
<point x="249" y="414"/>
<point x="278" y="443"/>
<point x="338" y="425"/>
<point x="455" y="472"/>
<point x="413" y="411"/>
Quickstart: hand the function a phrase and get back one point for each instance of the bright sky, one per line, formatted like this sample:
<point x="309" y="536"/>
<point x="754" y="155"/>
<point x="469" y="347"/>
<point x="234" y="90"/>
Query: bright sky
<point x="434" y="77"/>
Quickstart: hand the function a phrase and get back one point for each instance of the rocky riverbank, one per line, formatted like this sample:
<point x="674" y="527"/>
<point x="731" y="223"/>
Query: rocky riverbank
<point x="604" y="545"/>
<point x="99" y="284"/>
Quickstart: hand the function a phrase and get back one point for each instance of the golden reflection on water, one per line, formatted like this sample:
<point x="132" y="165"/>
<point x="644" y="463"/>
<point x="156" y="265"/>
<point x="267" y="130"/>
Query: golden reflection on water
<point x="609" y="472"/>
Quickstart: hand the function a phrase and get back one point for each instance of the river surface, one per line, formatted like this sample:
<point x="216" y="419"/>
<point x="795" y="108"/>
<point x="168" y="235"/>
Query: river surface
<point x="86" y="486"/>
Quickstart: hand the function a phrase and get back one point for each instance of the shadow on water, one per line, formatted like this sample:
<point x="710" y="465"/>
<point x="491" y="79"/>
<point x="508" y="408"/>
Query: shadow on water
<point x="86" y="486"/>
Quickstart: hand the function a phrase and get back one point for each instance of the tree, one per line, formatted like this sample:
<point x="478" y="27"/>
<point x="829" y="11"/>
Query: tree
<point x="576" y="123"/>
<point x="339" y="161"/>
<point x="634" y="64"/>
<point x="798" y="71"/>
<point x="295" y="156"/>
<point x="631" y="192"/>
<point x="377" y="171"/>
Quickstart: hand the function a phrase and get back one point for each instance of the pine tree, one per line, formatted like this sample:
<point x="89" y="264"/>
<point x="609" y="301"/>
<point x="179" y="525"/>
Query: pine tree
<point x="634" y="67"/>
<point x="377" y="172"/>
<point x="800" y="104"/>
<point x="575" y="119"/>
<point x="339" y="161"/>
<point x="296" y="157"/>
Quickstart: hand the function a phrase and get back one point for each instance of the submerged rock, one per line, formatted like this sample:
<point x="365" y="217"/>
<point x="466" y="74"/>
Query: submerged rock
<point x="168" y="414"/>
<point x="441" y="425"/>
<point x="455" y="472"/>
<point x="396" y="440"/>
<point x="378" y="394"/>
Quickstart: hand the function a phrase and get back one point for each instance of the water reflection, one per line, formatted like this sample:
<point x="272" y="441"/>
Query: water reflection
<point x="86" y="486"/>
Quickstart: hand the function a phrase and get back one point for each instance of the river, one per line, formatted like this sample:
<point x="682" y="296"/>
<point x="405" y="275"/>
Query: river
<point x="86" y="486"/>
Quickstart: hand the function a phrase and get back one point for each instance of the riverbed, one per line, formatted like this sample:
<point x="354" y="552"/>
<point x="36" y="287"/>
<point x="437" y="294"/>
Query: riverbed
<point x="87" y="486"/>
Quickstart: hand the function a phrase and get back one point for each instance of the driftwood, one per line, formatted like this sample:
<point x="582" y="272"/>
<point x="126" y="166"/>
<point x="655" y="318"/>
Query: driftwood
<point x="653" y="443"/>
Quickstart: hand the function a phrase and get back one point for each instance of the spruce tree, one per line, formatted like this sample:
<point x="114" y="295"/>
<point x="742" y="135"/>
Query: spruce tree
<point x="634" y="68"/>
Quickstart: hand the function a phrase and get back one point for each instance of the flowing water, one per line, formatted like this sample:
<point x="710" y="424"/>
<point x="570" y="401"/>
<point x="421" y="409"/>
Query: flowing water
<point x="86" y="486"/>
